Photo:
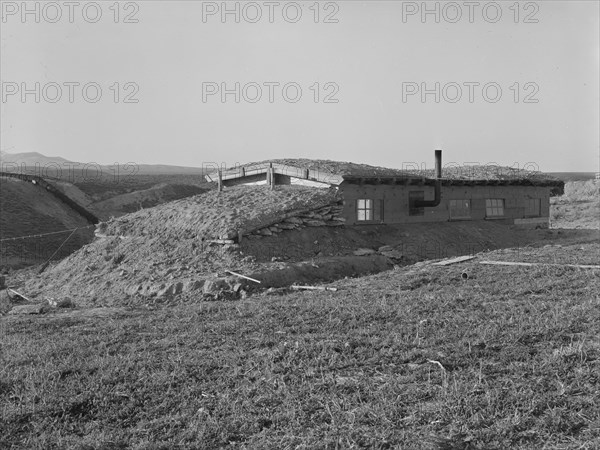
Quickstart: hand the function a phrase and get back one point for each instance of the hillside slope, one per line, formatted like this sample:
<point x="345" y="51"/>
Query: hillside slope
<point x="27" y="209"/>
<point x="146" y="198"/>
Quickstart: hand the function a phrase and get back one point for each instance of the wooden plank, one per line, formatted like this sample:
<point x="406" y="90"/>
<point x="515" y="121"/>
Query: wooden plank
<point x="242" y="276"/>
<point x="459" y="259"/>
<point x="20" y="295"/>
<point x="525" y="264"/>
<point x="222" y="241"/>
<point x="315" y="288"/>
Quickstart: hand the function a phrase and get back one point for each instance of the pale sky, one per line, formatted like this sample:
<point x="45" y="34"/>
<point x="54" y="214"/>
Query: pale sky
<point x="377" y="58"/>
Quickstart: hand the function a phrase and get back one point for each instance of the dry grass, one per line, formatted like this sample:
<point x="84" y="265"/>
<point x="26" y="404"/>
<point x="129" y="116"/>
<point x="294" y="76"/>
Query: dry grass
<point x="414" y="358"/>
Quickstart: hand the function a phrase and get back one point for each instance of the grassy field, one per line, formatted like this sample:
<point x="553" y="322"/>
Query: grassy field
<point x="416" y="358"/>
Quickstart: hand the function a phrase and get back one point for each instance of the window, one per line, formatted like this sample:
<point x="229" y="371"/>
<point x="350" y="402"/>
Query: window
<point x="460" y="209"/>
<point x="494" y="207"/>
<point x="369" y="210"/>
<point x="533" y="207"/>
<point x="413" y="196"/>
<point x="364" y="209"/>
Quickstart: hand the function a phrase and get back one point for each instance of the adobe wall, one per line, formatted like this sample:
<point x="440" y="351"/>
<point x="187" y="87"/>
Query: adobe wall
<point x="396" y="207"/>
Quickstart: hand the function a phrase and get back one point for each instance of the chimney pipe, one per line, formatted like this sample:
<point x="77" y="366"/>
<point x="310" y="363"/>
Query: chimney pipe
<point x="437" y="186"/>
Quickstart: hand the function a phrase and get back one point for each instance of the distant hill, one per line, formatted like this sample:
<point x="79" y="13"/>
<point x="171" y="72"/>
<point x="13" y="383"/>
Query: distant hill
<point x="573" y="176"/>
<point x="30" y="160"/>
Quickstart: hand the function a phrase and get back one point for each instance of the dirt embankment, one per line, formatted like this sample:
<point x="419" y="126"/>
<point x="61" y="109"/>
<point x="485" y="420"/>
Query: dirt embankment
<point x="221" y="215"/>
<point x="578" y="208"/>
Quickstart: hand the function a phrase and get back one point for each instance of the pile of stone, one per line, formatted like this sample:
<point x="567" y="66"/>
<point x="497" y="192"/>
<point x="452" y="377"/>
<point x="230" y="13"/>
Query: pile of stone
<point x="327" y="216"/>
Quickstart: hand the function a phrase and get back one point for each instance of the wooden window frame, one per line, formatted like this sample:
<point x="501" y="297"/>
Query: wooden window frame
<point x="368" y="209"/>
<point x="372" y="210"/>
<point x="494" y="208"/>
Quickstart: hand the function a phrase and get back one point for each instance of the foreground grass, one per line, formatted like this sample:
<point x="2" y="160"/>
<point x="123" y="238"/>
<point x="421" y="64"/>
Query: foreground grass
<point x="417" y="358"/>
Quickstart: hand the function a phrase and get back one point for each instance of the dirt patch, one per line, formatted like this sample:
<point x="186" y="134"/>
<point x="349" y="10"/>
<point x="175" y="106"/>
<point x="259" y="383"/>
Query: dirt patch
<point x="323" y="270"/>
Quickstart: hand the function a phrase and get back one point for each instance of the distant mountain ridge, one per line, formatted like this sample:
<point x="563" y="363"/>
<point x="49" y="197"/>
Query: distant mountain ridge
<point x="33" y="159"/>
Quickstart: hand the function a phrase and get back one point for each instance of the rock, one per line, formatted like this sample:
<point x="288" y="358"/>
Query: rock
<point x="315" y="223"/>
<point x="394" y="254"/>
<point x="385" y="248"/>
<point x="193" y="285"/>
<point x="166" y="292"/>
<point x="295" y="220"/>
<point x="265" y="232"/>
<point x="153" y="290"/>
<point x="214" y="287"/>
<point x="237" y="287"/>
<point x="274" y="229"/>
<point x="334" y="224"/>
<point x="4" y="297"/>
<point x="326" y="217"/>
<point x="39" y="308"/>
<point x="132" y="290"/>
<point x="178" y="287"/>
<point x="364" y="252"/>
<point x="287" y="226"/>
<point x="171" y="290"/>
<point x="230" y="234"/>
<point x="62" y="303"/>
